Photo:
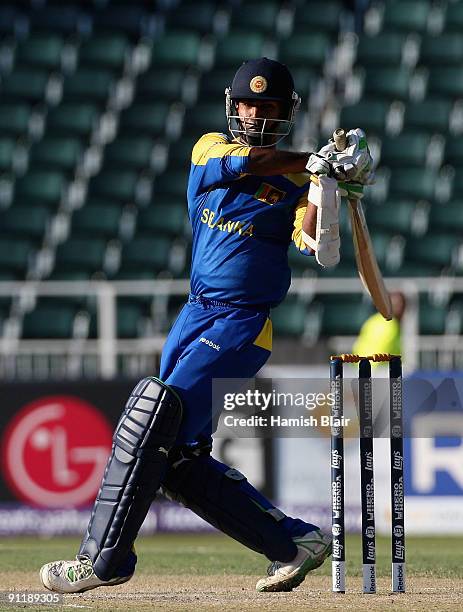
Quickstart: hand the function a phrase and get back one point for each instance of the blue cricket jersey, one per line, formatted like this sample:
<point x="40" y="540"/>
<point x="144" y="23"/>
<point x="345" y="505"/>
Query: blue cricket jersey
<point x="242" y="224"/>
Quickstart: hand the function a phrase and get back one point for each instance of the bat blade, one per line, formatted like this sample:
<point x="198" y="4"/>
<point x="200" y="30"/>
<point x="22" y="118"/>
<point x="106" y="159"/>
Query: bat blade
<point x="367" y="263"/>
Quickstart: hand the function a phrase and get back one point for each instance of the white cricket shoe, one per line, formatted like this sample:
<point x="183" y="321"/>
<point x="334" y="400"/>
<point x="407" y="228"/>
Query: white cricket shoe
<point x="74" y="576"/>
<point x="312" y="549"/>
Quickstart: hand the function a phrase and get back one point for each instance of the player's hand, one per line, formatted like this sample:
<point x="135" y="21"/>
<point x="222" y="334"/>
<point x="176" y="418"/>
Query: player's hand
<point x="353" y="164"/>
<point x="350" y="190"/>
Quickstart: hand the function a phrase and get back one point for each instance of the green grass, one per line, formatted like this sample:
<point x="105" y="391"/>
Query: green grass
<point x="211" y="554"/>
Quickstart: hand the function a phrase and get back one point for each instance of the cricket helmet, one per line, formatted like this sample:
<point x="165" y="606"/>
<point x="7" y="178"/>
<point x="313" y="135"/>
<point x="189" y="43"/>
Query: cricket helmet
<point x="262" y="79"/>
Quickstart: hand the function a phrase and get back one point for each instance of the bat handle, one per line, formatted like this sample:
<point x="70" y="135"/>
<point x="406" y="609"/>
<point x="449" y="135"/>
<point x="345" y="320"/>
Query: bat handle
<point x="340" y="139"/>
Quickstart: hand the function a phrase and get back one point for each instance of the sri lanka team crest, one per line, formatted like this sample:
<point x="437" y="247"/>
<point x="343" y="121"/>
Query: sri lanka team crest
<point x="258" y="84"/>
<point x="269" y="194"/>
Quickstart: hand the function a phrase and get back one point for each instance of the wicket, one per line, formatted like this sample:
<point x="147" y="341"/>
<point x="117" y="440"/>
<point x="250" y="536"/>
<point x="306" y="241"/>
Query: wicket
<point x="366" y="472"/>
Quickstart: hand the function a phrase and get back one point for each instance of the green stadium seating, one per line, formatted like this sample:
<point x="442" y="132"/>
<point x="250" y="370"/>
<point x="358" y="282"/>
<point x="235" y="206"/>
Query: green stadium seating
<point x="454" y="17"/>
<point x="317" y="16"/>
<point x="431" y="115"/>
<point x="42" y="51"/>
<point x="256" y="16"/>
<point x="302" y="50"/>
<point x="406" y="16"/>
<point x="387" y="83"/>
<point x="114" y="184"/>
<point x="162" y="83"/>
<point x="172" y="183"/>
<point x="392" y="216"/>
<point x="236" y="47"/>
<point x="454" y="151"/>
<point x="51" y="322"/>
<point x="80" y="255"/>
<point x="419" y="183"/>
<point x="108" y="51"/>
<point x="446" y="81"/>
<point x="10" y="18"/>
<point x="89" y="85"/>
<point x="25" y="84"/>
<point x="129" y="319"/>
<point x="14" y="119"/>
<point x="25" y="222"/>
<point x="432" y="317"/>
<point x="162" y="219"/>
<point x="405" y="149"/>
<point x="381" y="244"/>
<point x="146" y="254"/>
<point x="384" y="49"/>
<point x="370" y="114"/>
<point x="7" y="150"/>
<point x="343" y="316"/>
<point x="129" y="153"/>
<point x="457" y="186"/>
<point x="15" y="255"/>
<point x="440" y="252"/>
<point x="201" y="14"/>
<point x="78" y="119"/>
<point x="40" y="187"/>
<point x="205" y="117"/>
<point x="59" y="153"/>
<point x="448" y="217"/>
<point x="132" y="19"/>
<point x="146" y="119"/>
<point x="176" y="48"/>
<point x="305" y="79"/>
<point x="96" y="221"/>
<point x="289" y="318"/>
<point x="180" y="150"/>
<point x="68" y="20"/>
<point x="445" y="49"/>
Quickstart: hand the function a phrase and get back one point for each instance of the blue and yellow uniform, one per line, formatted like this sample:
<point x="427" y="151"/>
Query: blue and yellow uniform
<point x="242" y="227"/>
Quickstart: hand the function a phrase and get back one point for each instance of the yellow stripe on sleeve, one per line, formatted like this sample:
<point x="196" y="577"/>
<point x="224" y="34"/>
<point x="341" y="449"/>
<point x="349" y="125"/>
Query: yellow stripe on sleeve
<point x="299" y="216"/>
<point x="216" y="145"/>
<point x="264" y="339"/>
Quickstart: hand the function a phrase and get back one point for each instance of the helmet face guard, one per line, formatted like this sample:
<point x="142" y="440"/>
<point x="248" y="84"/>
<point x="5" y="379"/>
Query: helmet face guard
<point x="261" y="80"/>
<point x="260" y="131"/>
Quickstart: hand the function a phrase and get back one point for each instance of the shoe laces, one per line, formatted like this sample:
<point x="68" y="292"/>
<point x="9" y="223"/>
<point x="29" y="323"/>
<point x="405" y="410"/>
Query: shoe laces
<point x="273" y="568"/>
<point x="80" y="569"/>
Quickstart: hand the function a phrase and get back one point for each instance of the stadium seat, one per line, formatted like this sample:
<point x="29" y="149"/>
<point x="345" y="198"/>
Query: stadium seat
<point x="41" y="51"/>
<point x="405" y="149"/>
<point x="238" y="46"/>
<point x="457" y="186"/>
<point x="432" y="317"/>
<point x="145" y="254"/>
<point x="384" y="49"/>
<point x="15" y="255"/>
<point x="129" y="153"/>
<point x="51" y="322"/>
<point x="319" y="16"/>
<point x="448" y="217"/>
<point x="132" y="19"/>
<point x="443" y="50"/>
<point x="145" y="119"/>
<point x="431" y="115"/>
<point x="289" y="318"/>
<point x="370" y="114"/>
<point x="73" y="120"/>
<point x="59" y="153"/>
<point x="176" y="48"/>
<point x="406" y="16"/>
<point x="162" y="83"/>
<point x="67" y="20"/>
<point x="343" y="316"/>
<point x="387" y="83"/>
<point x="162" y="219"/>
<point x="302" y="50"/>
<point x="411" y="182"/>
<point x="446" y="81"/>
<point x="202" y="14"/>
<point x="41" y="187"/>
<point x="454" y="17"/>
<point x="7" y="150"/>
<point x="80" y="255"/>
<point x="15" y="119"/>
<point x="256" y="16"/>
<point x="25" y="222"/>
<point x="171" y="183"/>
<point x="108" y="51"/>
<point x="25" y="85"/>
<point x="454" y="152"/>
<point x="205" y="117"/>
<point x="396" y="216"/>
<point x="96" y="221"/>
<point x="12" y="20"/>
<point x="114" y="184"/>
<point x="440" y="253"/>
<point x="89" y="85"/>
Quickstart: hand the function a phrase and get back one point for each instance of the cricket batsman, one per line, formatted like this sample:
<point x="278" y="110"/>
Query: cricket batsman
<point x="246" y="202"/>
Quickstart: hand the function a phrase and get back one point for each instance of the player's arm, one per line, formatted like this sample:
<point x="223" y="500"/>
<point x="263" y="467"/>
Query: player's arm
<point x="268" y="162"/>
